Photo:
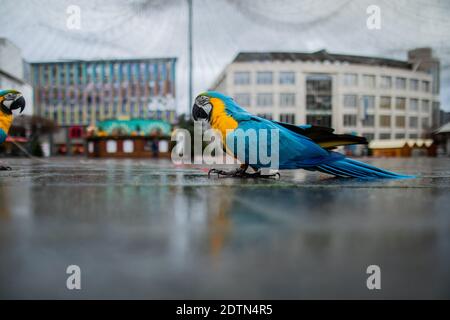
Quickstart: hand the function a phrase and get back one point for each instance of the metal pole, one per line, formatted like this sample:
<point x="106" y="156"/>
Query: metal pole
<point x="188" y="115"/>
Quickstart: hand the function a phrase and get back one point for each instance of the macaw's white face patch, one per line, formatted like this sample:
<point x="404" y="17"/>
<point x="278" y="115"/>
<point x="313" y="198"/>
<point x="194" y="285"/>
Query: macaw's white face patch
<point x="205" y="103"/>
<point x="8" y="99"/>
<point x="207" y="108"/>
<point x="7" y="103"/>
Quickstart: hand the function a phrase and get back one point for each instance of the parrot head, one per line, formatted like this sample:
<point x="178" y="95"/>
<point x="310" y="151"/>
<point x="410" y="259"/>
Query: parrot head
<point x="206" y="102"/>
<point x="202" y="108"/>
<point x="11" y="100"/>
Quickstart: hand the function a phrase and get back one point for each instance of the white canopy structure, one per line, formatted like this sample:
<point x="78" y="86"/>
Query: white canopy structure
<point x="400" y="143"/>
<point x="444" y="129"/>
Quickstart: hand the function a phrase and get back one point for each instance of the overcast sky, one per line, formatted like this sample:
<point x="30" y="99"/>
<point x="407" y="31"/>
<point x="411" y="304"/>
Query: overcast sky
<point x="222" y="28"/>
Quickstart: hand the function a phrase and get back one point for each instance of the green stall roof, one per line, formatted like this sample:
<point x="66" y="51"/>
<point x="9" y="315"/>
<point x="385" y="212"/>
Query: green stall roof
<point x="145" y="126"/>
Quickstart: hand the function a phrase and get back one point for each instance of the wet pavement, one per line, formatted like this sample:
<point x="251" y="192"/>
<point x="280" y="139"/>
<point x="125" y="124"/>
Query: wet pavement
<point x="148" y="229"/>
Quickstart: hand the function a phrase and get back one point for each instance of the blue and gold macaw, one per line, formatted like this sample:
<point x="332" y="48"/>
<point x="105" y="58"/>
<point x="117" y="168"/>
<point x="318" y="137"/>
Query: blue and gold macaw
<point x="306" y="147"/>
<point x="9" y="100"/>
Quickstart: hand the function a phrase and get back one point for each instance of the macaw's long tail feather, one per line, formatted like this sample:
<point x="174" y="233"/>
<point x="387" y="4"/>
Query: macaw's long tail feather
<point x="349" y="168"/>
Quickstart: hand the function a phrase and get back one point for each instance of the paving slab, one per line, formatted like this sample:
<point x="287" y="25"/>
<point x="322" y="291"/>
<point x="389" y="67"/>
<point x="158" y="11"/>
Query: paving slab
<point x="150" y="229"/>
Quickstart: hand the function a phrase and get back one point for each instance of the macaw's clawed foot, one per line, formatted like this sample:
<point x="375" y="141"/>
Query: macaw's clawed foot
<point x="241" y="173"/>
<point x="232" y="173"/>
<point x="5" y="168"/>
<point x="258" y="174"/>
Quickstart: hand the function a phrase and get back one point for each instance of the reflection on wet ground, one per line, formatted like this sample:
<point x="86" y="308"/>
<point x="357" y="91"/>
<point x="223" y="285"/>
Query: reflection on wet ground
<point x="148" y="229"/>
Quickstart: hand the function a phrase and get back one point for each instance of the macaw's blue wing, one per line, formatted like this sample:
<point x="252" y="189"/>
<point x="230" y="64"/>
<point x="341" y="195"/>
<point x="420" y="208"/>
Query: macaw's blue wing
<point x="294" y="150"/>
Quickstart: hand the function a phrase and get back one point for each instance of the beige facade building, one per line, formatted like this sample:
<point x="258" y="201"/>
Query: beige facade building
<point x="374" y="97"/>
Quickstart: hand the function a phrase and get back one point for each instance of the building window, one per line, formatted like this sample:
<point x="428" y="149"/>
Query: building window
<point x="386" y="82"/>
<point x="400" y="121"/>
<point x="111" y="146"/>
<point x="350" y="101"/>
<point x="350" y="79"/>
<point x="242" y="99"/>
<point x="369" y="136"/>
<point x="264" y="77"/>
<point x="267" y="116"/>
<point x="349" y="120"/>
<point x="75" y="132"/>
<point x="264" y="99"/>
<point x="368" y="102"/>
<point x="399" y="136"/>
<point x="385" y="103"/>
<point x="414" y="84"/>
<point x="287" y="77"/>
<point x="385" y="136"/>
<point x="425" y="105"/>
<point x="425" y="123"/>
<point x="368" y="121"/>
<point x="413" y="105"/>
<point x="400" y="83"/>
<point x="241" y="77"/>
<point x="319" y="120"/>
<point x="287" y="118"/>
<point x="318" y="92"/>
<point x="318" y="102"/>
<point x="368" y="81"/>
<point x="413" y="135"/>
<point x="426" y="86"/>
<point x="413" y="122"/>
<point x="128" y="146"/>
<point x="287" y="99"/>
<point x="385" y="121"/>
<point x="318" y="84"/>
<point x="400" y="103"/>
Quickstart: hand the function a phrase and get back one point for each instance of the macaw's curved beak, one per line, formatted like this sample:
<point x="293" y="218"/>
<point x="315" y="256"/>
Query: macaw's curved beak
<point x="199" y="113"/>
<point x="19" y="103"/>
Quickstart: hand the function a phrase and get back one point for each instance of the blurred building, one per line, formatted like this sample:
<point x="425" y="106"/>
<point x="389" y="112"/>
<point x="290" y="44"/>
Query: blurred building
<point x="12" y="72"/>
<point x="374" y="97"/>
<point x="423" y="60"/>
<point x="76" y="94"/>
<point x="443" y="138"/>
<point x="444" y="117"/>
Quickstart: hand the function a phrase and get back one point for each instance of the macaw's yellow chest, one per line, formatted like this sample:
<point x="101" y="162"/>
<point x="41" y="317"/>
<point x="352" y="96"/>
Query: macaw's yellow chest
<point x="5" y="121"/>
<point x="220" y="120"/>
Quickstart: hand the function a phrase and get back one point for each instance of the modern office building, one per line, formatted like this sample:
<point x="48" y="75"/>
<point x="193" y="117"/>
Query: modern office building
<point x="83" y="92"/>
<point x="78" y="94"/>
<point x="374" y="97"/>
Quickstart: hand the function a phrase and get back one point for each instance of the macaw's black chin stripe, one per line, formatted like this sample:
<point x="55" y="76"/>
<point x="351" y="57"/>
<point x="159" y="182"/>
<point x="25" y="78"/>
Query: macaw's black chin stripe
<point x="199" y="113"/>
<point x="4" y="109"/>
